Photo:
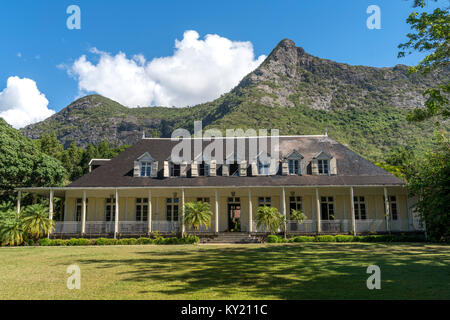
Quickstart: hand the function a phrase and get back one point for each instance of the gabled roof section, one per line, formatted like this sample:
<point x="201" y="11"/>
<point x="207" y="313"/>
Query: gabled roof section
<point x="323" y="155"/>
<point x="145" y="157"/>
<point x="294" y="155"/>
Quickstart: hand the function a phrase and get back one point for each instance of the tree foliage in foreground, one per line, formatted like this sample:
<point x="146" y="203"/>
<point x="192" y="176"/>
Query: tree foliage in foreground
<point x="22" y="164"/>
<point x="431" y="34"/>
<point x="429" y="180"/>
<point x="197" y="214"/>
<point x="32" y="224"/>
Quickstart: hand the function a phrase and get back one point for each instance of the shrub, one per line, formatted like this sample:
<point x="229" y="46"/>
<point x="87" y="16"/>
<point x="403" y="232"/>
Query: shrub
<point x="105" y="242"/>
<point x="144" y="241"/>
<point x="273" y="238"/>
<point x="189" y="240"/>
<point x="45" y="242"/>
<point x="344" y="238"/>
<point x="59" y="242"/>
<point x="127" y="241"/>
<point x="78" y="242"/>
<point x="304" y="239"/>
<point x="326" y="238"/>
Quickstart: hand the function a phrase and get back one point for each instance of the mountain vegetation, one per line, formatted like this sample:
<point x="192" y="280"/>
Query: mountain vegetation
<point x="364" y="108"/>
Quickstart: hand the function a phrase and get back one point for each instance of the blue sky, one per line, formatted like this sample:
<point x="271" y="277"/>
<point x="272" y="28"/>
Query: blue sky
<point x="36" y="40"/>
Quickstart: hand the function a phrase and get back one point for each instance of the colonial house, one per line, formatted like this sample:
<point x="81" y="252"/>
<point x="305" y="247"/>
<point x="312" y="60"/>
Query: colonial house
<point x="143" y="190"/>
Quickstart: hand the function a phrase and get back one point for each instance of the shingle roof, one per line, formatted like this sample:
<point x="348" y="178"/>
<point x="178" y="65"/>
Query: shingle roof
<point x="352" y="169"/>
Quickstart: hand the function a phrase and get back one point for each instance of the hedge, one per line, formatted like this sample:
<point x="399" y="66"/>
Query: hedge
<point x="124" y="241"/>
<point x="349" y="238"/>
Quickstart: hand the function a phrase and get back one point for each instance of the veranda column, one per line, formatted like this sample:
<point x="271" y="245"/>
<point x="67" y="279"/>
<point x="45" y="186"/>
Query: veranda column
<point x="387" y="209"/>
<point x="149" y="213"/>
<point x="182" y="212"/>
<point x="116" y="216"/>
<point x="19" y="198"/>
<point x="50" y="208"/>
<point x="83" y="214"/>
<point x="283" y="208"/>
<point x="50" y="205"/>
<point x="319" y="226"/>
<point x="250" y="212"/>
<point x="352" y="208"/>
<point x="217" y="212"/>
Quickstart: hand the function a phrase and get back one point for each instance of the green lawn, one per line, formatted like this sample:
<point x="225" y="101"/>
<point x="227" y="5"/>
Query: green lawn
<point x="287" y="271"/>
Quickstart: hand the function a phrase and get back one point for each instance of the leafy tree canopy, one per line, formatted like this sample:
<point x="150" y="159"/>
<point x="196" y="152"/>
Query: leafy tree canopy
<point x="431" y="34"/>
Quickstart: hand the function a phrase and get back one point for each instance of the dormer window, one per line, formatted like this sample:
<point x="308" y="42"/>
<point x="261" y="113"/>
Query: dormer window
<point x="323" y="166"/>
<point x="146" y="168"/>
<point x="263" y="168"/>
<point x="175" y="170"/>
<point x="203" y="169"/>
<point x="294" y="166"/>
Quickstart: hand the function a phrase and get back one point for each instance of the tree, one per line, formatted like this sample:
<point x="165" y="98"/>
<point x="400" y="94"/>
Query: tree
<point x="11" y="229"/>
<point x="23" y="165"/>
<point x="269" y="218"/>
<point x="429" y="180"/>
<point x="197" y="214"/>
<point x="431" y="34"/>
<point x="50" y="145"/>
<point x="36" y="221"/>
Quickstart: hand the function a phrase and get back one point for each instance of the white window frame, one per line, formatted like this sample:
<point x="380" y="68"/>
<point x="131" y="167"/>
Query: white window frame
<point x="110" y="202"/>
<point x="323" y="164"/>
<point x="170" y="202"/>
<point x="141" y="209"/>
<point x="263" y="168"/>
<point x="145" y="168"/>
<point x="294" y="171"/>
<point x="359" y="202"/>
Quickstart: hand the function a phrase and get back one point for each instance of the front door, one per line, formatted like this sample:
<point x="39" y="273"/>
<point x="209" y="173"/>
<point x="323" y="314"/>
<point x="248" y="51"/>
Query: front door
<point x="234" y="215"/>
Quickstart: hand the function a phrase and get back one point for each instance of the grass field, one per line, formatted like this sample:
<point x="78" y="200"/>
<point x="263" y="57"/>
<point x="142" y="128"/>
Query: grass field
<point x="292" y="271"/>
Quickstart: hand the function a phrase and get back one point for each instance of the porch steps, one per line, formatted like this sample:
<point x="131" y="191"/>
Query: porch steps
<point x="232" y="237"/>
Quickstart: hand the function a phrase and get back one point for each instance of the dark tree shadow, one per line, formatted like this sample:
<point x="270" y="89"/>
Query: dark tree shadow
<point x="303" y="271"/>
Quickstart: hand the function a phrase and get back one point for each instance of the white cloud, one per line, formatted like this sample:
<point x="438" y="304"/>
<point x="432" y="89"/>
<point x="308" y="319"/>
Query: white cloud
<point x="199" y="70"/>
<point x="21" y="103"/>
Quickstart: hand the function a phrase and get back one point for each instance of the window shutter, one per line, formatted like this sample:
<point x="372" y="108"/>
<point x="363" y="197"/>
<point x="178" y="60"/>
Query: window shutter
<point x="166" y="169"/>
<point x="285" y="167"/>
<point x="137" y="169"/>
<point x="274" y="166"/>
<point x="314" y="166"/>
<point x="183" y="169"/>
<point x="154" y="173"/>
<point x="213" y="168"/>
<point x="194" y="169"/>
<point x="254" y="169"/>
<point x="302" y="166"/>
<point x="243" y="168"/>
<point x="333" y="168"/>
<point x="225" y="171"/>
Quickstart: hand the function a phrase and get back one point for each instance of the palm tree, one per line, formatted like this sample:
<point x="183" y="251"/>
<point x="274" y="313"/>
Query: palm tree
<point x="36" y="221"/>
<point x="270" y="218"/>
<point x="296" y="216"/>
<point x="11" y="229"/>
<point x="197" y="214"/>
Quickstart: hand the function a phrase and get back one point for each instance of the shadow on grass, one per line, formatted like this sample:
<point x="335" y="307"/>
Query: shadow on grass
<point x="304" y="271"/>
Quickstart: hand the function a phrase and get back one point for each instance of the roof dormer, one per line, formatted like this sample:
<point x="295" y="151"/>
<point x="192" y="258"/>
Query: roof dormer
<point x="293" y="164"/>
<point x="323" y="163"/>
<point x="145" y="166"/>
